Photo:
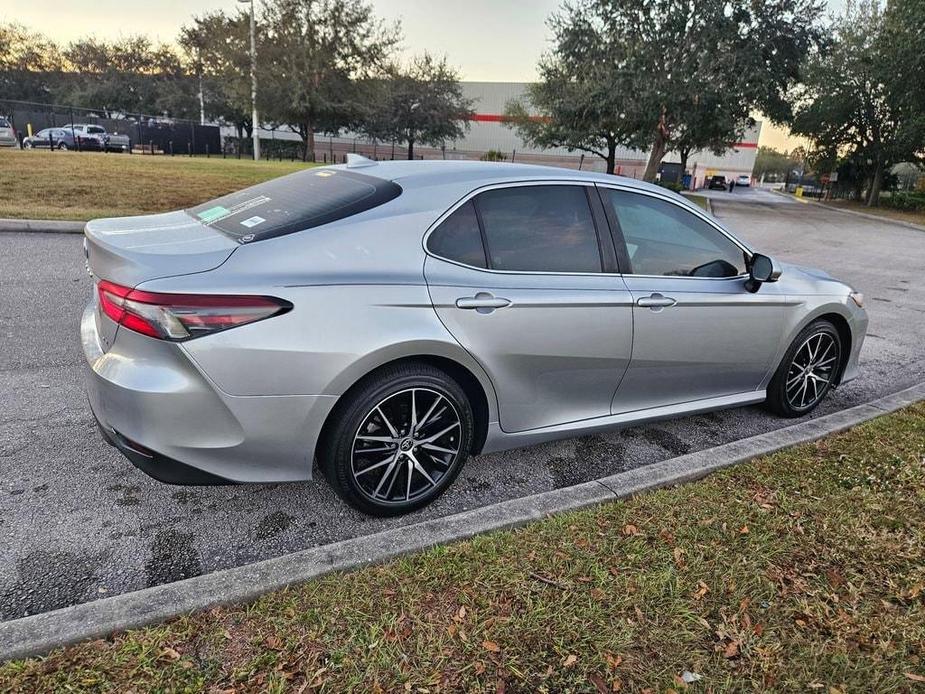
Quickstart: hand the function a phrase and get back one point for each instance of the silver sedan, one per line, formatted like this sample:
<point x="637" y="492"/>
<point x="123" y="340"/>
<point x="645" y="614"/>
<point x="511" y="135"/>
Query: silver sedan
<point x="388" y="320"/>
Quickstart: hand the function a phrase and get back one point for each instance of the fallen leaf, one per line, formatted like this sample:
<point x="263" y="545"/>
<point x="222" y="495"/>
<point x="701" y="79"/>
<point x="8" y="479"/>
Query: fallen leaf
<point x="743" y="530"/>
<point x="479" y="667"/>
<point x="613" y="661"/>
<point x="491" y="646"/>
<point x="690" y="677"/>
<point x="599" y="684"/>
<point x="500" y="687"/>
<point x="702" y="589"/>
<point x="915" y="678"/>
<point x="630" y="529"/>
<point x="570" y="661"/>
<point x="170" y="653"/>
<point x="732" y="649"/>
<point x="461" y="613"/>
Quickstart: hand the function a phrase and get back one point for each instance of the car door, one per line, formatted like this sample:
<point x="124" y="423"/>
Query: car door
<point x="524" y="277"/>
<point x="698" y="332"/>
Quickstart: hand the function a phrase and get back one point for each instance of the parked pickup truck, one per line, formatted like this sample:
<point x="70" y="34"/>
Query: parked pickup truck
<point x="92" y="136"/>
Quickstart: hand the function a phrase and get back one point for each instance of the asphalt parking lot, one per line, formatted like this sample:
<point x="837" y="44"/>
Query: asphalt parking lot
<point x="78" y="522"/>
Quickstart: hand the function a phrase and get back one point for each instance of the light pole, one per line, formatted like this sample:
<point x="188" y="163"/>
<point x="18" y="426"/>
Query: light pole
<point x="254" y="119"/>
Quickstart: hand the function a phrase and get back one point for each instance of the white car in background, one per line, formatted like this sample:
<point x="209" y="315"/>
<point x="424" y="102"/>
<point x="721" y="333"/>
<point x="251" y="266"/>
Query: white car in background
<point x="7" y="134"/>
<point x="744" y="180"/>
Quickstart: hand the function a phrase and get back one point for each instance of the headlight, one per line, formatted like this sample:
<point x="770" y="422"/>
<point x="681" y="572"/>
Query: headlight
<point x="857" y="298"/>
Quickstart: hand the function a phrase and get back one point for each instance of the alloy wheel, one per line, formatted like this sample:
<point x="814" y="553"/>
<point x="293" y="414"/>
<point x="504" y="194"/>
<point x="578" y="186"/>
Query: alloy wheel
<point x="812" y="370"/>
<point x="405" y="445"/>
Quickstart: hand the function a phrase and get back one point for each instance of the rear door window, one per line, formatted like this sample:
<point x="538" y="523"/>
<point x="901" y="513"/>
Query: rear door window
<point x="296" y="202"/>
<point x="546" y="228"/>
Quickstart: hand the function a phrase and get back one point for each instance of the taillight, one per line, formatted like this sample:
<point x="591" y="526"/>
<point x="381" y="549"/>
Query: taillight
<point x="183" y="316"/>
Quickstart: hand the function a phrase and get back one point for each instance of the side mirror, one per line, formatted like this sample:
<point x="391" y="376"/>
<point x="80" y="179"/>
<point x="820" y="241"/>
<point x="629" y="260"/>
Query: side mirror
<point x="761" y="269"/>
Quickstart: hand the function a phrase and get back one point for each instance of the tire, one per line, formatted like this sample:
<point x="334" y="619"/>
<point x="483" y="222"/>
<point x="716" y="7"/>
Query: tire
<point x="794" y="393"/>
<point x="27" y="145"/>
<point x="62" y="147"/>
<point x="369" y="455"/>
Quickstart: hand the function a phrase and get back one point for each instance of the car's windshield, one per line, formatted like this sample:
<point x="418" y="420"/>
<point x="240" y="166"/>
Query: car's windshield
<point x="295" y="202"/>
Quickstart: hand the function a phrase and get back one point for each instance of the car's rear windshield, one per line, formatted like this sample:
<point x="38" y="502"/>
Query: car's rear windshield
<point x="4" y="123"/>
<point x="293" y="203"/>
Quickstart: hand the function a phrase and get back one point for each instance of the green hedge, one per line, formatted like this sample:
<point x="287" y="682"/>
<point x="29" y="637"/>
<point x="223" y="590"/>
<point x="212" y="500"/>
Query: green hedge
<point x="904" y="200"/>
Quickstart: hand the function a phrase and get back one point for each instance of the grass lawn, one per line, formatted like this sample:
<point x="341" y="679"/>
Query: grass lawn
<point x="801" y="571"/>
<point x="85" y="185"/>
<point x="698" y="200"/>
<point x="901" y="215"/>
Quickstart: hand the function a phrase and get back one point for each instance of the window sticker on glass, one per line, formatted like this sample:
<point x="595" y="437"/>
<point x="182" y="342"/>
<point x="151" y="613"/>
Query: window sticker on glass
<point x="252" y="221"/>
<point x="213" y="213"/>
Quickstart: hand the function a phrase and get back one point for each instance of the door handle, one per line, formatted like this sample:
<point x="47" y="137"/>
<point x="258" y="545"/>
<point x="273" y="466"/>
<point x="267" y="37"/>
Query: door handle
<point x="656" y="301"/>
<point x="483" y="302"/>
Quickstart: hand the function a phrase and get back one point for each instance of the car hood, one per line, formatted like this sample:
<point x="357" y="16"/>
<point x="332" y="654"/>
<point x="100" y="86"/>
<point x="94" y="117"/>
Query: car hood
<point x="816" y="281"/>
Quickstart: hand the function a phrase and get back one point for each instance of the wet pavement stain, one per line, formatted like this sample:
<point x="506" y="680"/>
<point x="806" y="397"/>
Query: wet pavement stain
<point x="47" y="581"/>
<point x="594" y="457"/>
<point x="272" y="525"/>
<point x="173" y="558"/>
<point x="666" y="440"/>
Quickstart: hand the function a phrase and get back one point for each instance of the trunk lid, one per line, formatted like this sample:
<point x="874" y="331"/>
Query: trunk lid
<point x="132" y="250"/>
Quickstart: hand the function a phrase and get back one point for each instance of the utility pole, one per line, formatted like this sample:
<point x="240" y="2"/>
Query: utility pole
<point x="254" y="118"/>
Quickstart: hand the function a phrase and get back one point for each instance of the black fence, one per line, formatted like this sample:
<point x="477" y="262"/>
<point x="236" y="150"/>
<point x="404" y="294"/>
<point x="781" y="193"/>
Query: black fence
<point x="148" y="133"/>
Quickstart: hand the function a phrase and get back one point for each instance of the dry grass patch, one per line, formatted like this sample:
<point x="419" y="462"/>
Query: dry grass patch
<point x="886" y="212"/>
<point x="87" y="185"/>
<point x="801" y="571"/>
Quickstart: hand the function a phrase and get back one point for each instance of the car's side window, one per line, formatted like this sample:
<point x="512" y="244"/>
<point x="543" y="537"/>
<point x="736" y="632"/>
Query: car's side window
<point x="458" y="238"/>
<point x="665" y="239"/>
<point x="546" y="228"/>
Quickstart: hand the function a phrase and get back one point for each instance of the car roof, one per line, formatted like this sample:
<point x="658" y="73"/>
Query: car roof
<point x="426" y="173"/>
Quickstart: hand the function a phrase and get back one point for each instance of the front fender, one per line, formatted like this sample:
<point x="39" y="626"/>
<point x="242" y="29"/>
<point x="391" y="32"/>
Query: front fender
<point x="810" y="308"/>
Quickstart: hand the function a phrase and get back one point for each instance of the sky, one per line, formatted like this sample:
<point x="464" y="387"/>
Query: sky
<point x="487" y="40"/>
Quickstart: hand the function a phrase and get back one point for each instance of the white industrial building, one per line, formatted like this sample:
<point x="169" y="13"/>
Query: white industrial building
<point x="488" y="132"/>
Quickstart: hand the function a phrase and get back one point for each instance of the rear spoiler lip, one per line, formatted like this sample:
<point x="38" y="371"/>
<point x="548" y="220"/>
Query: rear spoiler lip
<point x="133" y="250"/>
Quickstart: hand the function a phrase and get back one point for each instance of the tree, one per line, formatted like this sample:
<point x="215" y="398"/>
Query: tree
<point x="580" y="99"/>
<point x="773" y="164"/>
<point x="855" y="103"/>
<point x="30" y="64"/>
<point x="420" y="103"/>
<point x="665" y="73"/>
<point x="319" y="55"/>
<point x="217" y="47"/>
<point x="128" y="75"/>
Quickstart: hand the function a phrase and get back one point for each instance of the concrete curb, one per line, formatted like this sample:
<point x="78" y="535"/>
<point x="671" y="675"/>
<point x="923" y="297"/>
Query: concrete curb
<point x="873" y="217"/>
<point x="38" y="634"/>
<point x="42" y="226"/>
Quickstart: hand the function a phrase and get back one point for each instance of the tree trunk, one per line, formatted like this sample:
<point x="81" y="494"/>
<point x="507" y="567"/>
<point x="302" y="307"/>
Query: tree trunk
<point x="611" y="157"/>
<point x="308" y="141"/>
<point x="873" y="195"/>
<point x="659" y="148"/>
<point x="410" y="149"/>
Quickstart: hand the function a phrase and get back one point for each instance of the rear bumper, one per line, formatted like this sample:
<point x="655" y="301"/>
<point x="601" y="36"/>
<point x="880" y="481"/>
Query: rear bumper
<point x="173" y="423"/>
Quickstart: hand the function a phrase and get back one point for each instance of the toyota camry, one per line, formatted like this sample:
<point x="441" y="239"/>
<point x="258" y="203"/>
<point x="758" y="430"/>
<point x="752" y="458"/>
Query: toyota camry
<point x="388" y="320"/>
